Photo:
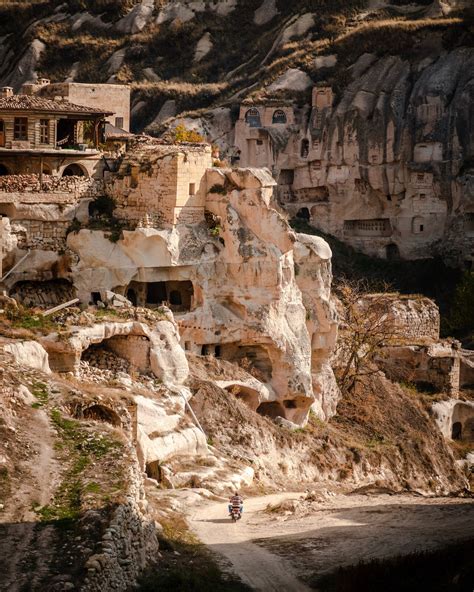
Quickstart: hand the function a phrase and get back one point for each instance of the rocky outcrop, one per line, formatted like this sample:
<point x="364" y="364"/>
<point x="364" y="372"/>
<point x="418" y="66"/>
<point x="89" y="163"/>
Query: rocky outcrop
<point x="386" y="165"/>
<point x="313" y="277"/>
<point x="156" y="350"/>
<point x="29" y="354"/>
<point x="231" y="281"/>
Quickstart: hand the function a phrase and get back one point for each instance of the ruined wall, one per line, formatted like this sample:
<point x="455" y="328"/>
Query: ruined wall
<point x="134" y="348"/>
<point x="161" y="185"/>
<point x="41" y="215"/>
<point x="416" y="319"/>
<point x="435" y="366"/>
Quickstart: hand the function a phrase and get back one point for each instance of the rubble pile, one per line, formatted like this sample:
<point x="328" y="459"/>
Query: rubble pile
<point x="32" y="182"/>
<point x="98" y="365"/>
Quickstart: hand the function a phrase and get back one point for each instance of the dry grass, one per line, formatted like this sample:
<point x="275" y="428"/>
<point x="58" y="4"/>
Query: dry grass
<point x="377" y="425"/>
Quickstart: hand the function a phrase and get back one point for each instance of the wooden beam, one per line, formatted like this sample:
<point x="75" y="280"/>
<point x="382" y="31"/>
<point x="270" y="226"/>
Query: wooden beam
<point x="60" y="307"/>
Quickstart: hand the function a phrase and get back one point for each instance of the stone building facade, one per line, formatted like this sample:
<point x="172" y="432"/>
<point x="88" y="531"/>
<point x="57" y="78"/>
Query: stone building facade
<point x="111" y="98"/>
<point x="51" y="136"/>
<point x="161" y="185"/>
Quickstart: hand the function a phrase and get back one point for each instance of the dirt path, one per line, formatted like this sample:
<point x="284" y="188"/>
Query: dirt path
<point x="25" y="549"/>
<point x="257" y="567"/>
<point x="269" y="551"/>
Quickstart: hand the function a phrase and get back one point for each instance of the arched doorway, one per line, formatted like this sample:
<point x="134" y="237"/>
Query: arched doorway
<point x="456" y="431"/>
<point x="392" y="252"/>
<point x="132" y="296"/>
<point x="303" y="213"/>
<point x="74" y="170"/>
<point x="153" y="470"/>
<point x="3" y="170"/>
<point x="279" y="116"/>
<point x="304" y="148"/>
<point x="252" y="117"/>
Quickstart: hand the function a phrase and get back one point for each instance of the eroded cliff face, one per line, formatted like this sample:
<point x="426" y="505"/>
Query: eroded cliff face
<point x="233" y="288"/>
<point x="386" y="164"/>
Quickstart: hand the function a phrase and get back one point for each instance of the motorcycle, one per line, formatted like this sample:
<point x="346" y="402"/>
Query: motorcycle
<point x="235" y="514"/>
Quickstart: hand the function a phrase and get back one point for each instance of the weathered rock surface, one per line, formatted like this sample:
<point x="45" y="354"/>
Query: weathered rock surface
<point x="29" y="354"/>
<point x="385" y="166"/>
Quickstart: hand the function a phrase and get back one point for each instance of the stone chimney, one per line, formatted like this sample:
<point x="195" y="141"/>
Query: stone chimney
<point x="6" y="91"/>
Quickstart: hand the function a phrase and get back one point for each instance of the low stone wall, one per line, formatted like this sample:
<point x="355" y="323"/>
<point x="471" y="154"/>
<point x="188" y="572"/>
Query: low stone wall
<point x="56" y="189"/>
<point x="127" y="546"/>
<point x="39" y="234"/>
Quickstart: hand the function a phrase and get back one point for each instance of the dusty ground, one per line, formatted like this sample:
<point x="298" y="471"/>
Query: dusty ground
<point x="270" y="550"/>
<point x="26" y="547"/>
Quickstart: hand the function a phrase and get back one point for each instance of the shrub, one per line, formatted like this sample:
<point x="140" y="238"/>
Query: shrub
<point x="182" y="134"/>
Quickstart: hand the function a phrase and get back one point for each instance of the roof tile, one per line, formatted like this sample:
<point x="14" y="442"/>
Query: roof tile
<point x="35" y="103"/>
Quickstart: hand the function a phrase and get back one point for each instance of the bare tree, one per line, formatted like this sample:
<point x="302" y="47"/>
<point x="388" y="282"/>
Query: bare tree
<point x="366" y="325"/>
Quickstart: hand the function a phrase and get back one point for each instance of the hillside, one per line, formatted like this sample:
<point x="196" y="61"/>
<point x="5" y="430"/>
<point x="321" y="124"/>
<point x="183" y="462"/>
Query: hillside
<point x="159" y="47"/>
<point x="267" y="290"/>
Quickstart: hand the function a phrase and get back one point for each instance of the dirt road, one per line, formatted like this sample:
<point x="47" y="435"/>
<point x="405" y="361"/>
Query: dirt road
<point x="257" y="567"/>
<point x="269" y="551"/>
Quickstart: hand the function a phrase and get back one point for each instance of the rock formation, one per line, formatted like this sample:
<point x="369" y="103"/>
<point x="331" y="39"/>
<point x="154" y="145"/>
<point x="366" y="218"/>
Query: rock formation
<point x="386" y="164"/>
<point x="208" y="243"/>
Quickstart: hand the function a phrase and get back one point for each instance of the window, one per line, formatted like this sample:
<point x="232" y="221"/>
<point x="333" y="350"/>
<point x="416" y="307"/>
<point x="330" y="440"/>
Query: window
<point x="420" y="177"/>
<point x="119" y="122"/>
<point x="279" y="116"/>
<point x="259" y="142"/>
<point x="422" y="195"/>
<point x="192" y="189"/>
<point x="252" y="117"/>
<point x="44" y="131"/>
<point x="304" y="148"/>
<point x="20" y="128"/>
<point x="421" y="227"/>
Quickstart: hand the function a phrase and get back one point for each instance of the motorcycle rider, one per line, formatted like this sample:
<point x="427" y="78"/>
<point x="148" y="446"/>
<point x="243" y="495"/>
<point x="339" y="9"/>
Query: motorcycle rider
<point x="236" y="504"/>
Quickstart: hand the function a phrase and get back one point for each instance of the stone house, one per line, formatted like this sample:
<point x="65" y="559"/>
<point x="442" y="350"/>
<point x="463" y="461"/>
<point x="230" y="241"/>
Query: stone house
<point x="50" y="136"/>
<point x="111" y="98"/>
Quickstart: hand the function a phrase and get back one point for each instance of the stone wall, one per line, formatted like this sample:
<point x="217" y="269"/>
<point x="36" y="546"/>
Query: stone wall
<point x="134" y="348"/>
<point x="127" y="546"/>
<point x="416" y="318"/>
<point x="40" y="214"/>
<point x="28" y="188"/>
<point x="160" y="185"/>
<point x="435" y="366"/>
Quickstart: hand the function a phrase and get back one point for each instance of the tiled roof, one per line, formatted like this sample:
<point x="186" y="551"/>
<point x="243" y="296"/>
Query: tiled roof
<point x="35" y="103"/>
